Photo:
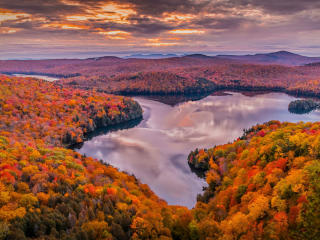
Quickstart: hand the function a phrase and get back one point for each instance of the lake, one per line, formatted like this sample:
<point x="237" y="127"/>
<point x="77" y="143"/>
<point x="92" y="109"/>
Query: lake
<point x="156" y="150"/>
<point x="47" y="78"/>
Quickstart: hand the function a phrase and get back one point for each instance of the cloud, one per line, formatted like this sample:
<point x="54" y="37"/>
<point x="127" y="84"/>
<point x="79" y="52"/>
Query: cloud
<point x="128" y="24"/>
<point x="186" y="31"/>
<point x="280" y="7"/>
<point x="158" y="7"/>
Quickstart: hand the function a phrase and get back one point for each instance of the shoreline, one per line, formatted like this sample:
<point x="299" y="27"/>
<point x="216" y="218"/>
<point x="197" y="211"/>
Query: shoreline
<point x="188" y="92"/>
<point x="104" y="130"/>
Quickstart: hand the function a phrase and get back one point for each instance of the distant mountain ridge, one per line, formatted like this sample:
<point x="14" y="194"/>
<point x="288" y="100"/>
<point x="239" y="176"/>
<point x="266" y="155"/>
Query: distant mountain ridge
<point x="193" y="73"/>
<point x="278" y="58"/>
<point x="199" y="55"/>
<point x="152" y="56"/>
<point x="274" y="58"/>
<point x="281" y="57"/>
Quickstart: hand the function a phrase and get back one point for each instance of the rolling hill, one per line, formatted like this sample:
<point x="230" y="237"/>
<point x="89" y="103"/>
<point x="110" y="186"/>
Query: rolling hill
<point x="281" y="57"/>
<point x="191" y="74"/>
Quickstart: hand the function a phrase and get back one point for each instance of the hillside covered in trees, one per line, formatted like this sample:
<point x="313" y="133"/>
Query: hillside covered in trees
<point x="38" y="109"/>
<point x="192" y="74"/>
<point x="49" y="192"/>
<point x="265" y="185"/>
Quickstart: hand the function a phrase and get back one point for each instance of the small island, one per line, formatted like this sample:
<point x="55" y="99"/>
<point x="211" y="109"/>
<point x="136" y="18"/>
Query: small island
<point x="303" y="106"/>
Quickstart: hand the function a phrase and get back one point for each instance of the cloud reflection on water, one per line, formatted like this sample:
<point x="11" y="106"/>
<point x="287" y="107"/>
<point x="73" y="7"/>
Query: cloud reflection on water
<point x="156" y="150"/>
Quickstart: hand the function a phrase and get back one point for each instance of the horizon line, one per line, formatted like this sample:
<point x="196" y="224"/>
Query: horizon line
<point x="128" y="55"/>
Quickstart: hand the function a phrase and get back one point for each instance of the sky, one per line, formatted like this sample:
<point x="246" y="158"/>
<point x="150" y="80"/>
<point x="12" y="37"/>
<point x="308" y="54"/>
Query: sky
<point x="33" y="29"/>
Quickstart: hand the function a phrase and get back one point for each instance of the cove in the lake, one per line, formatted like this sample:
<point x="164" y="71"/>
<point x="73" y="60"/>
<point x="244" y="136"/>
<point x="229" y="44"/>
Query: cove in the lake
<point x="156" y="150"/>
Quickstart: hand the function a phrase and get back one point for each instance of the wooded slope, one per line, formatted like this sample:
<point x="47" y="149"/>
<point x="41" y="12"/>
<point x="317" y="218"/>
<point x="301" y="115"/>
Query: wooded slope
<point x="265" y="185"/>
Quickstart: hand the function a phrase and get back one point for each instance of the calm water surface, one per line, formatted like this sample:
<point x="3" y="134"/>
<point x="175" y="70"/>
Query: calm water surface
<point x="47" y="78"/>
<point x="156" y="150"/>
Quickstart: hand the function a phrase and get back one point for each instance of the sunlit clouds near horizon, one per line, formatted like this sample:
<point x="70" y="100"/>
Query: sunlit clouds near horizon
<point x="83" y="28"/>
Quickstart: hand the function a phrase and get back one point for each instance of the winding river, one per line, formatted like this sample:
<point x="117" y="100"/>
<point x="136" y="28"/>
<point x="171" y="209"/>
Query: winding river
<point x="156" y="150"/>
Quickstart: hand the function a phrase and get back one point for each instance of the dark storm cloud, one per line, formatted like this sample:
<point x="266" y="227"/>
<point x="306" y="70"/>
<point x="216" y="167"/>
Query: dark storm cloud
<point x="137" y="25"/>
<point x="146" y="7"/>
<point x="144" y="21"/>
<point x="157" y="7"/>
<point x="271" y="22"/>
<point x="50" y="8"/>
<point x="279" y="6"/>
<point x="224" y="23"/>
<point x="146" y="26"/>
<point x="26" y="25"/>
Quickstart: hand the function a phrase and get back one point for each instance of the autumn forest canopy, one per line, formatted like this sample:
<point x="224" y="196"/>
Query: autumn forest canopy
<point x="191" y="74"/>
<point x="265" y="184"/>
<point x="50" y="191"/>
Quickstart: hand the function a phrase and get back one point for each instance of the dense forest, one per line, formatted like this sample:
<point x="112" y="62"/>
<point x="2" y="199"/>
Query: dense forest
<point x="265" y="185"/>
<point x="301" y="80"/>
<point x="302" y="106"/>
<point x="49" y="192"/>
<point x="177" y="75"/>
<point x="60" y="116"/>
